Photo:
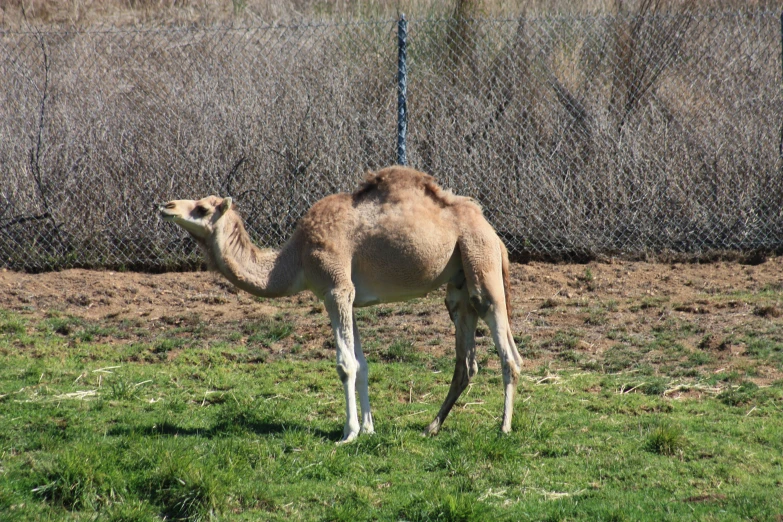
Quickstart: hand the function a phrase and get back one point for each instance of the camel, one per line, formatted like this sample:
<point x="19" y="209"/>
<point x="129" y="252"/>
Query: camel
<point x="397" y="237"/>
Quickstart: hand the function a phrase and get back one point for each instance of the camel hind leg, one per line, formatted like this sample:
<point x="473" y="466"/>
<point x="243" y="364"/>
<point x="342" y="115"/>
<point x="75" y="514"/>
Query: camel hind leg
<point x="465" y="320"/>
<point x="485" y="263"/>
<point x="362" y="382"/>
<point x="509" y="359"/>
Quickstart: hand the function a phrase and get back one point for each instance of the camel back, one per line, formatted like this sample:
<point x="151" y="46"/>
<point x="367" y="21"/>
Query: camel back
<point x="398" y="180"/>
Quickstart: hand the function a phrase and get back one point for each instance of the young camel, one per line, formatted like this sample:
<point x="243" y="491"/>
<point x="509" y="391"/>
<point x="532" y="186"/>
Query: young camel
<point x="398" y="236"/>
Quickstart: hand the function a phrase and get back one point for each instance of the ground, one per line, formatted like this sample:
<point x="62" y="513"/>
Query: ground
<point x="677" y="320"/>
<point x="648" y="392"/>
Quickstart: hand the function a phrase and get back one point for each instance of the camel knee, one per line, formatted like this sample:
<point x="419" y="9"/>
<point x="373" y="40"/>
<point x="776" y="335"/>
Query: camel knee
<point x="472" y="369"/>
<point x="464" y="379"/>
<point x="481" y="304"/>
<point x="510" y="372"/>
<point x="341" y="293"/>
<point x="465" y="373"/>
<point x="347" y="371"/>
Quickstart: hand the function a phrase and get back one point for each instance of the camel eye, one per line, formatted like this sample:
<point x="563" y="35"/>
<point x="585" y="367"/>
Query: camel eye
<point x="199" y="211"/>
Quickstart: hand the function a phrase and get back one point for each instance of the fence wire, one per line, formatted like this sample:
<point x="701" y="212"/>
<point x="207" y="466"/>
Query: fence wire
<point x="580" y="136"/>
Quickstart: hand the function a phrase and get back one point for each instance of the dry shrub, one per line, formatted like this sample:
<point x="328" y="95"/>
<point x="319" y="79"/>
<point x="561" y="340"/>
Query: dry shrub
<point x="99" y="125"/>
<point x="14" y="13"/>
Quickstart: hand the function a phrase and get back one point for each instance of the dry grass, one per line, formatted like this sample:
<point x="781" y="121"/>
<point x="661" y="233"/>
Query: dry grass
<point x="630" y="134"/>
<point x="124" y="12"/>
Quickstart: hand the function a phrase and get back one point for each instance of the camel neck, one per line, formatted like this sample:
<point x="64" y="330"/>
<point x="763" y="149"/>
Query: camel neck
<point x="261" y="272"/>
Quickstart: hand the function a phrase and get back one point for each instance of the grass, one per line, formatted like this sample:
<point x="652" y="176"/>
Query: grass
<point x="268" y="332"/>
<point x="401" y="350"/>
<point x="123" y="432"/>
<point x="666" y="439"/>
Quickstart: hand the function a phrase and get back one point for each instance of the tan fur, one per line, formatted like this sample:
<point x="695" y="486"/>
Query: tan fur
<point x="506" y="281"/>
<point x="398" y="236"/>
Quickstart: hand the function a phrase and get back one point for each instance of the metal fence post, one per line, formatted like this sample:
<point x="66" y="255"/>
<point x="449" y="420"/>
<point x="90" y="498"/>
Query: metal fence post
<point x="780" y="146"/>
<point x="402" y="89"/>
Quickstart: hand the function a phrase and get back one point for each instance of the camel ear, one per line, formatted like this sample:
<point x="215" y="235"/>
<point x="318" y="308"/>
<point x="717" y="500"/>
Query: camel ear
<point x="226" y="205"/>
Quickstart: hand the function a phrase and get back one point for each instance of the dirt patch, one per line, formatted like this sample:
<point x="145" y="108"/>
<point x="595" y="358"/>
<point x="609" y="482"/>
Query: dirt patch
<point x="589" y="315"/>
<point x="98" y="295"/>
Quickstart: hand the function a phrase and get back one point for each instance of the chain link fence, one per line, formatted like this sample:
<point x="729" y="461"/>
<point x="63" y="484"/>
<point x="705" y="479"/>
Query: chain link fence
<point x="580" y="136"/>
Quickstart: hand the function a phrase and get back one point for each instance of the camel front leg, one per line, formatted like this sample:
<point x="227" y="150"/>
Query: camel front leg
<point x="362" y="382"/>
<point x="339" y="305"/>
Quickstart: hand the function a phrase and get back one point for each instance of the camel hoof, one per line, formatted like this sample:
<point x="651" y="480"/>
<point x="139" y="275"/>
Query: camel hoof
<point x="346" y="440"/>
<point x="432" y="429"/>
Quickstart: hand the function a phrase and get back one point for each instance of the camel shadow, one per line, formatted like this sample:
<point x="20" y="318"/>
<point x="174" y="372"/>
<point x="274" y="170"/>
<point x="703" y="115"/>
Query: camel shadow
<point x="224" y="428"/>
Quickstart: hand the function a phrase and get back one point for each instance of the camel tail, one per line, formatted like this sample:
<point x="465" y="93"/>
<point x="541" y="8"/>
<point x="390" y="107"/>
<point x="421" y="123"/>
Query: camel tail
<point x="506" y="279"/>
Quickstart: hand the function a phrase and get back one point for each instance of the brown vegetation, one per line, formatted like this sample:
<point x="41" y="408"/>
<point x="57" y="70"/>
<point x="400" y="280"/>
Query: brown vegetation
<point x="122" y="12"/>
<point x="631" y="134"/>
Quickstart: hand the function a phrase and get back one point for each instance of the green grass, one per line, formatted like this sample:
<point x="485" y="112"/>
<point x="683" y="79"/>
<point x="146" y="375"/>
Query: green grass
<point x="120" y="432"/>
<point x="401" y="350"/>
<point x="268" y="332"/>
<point x="666" y="439"/>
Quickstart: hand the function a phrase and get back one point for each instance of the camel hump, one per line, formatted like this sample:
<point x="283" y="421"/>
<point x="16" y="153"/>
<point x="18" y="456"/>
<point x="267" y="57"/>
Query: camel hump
<point x="400" y="182"/>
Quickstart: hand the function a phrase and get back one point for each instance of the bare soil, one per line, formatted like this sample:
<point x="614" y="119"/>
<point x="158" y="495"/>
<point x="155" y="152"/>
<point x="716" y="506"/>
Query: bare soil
<point x="564" y="314"/>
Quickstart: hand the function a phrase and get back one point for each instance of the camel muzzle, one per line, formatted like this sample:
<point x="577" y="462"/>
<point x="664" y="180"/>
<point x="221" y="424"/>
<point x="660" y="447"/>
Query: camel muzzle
<point x="164" y="211"/>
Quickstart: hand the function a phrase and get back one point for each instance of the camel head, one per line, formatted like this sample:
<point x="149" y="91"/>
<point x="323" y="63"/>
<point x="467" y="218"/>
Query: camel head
<point x="198" y="218"/>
